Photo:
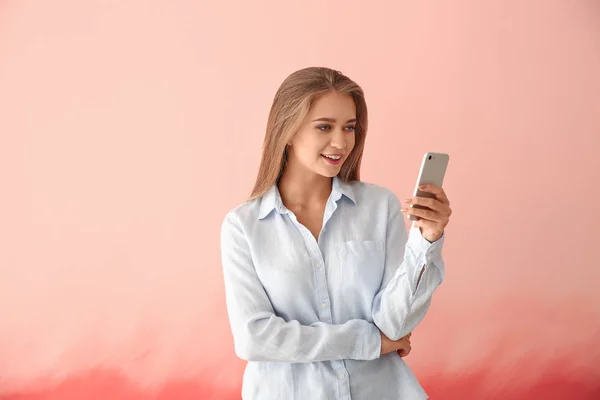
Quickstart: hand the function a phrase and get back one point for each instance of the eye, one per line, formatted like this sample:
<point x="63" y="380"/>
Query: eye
<point x="351" y="128"/>
<point x="324" y="127"/>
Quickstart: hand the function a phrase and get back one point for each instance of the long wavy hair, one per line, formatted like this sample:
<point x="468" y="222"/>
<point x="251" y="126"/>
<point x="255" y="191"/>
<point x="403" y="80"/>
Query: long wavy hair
<point x="290" y="106"/>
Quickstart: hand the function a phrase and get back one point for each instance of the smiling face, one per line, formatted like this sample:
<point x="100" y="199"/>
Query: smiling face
<point x="326" y="136"/>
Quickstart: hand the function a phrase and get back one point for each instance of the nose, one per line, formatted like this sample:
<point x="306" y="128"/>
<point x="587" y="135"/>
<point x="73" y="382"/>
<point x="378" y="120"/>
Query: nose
<point x="338" y="139"/>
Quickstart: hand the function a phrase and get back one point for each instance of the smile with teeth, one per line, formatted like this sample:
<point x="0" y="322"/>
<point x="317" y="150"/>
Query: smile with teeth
<point x="332" y="157"/>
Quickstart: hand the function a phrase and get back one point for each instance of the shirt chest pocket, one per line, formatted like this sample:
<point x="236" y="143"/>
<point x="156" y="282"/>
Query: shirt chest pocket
<point x="362" y="264"/>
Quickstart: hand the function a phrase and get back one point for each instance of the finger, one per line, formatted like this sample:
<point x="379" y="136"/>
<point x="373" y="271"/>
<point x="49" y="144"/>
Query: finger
<point x="404" y="352"/>
<point x="433" y="204"/>
<point x="439" y="193"/>
<point x="429" y="225"/>
<point x="424" y="213"/>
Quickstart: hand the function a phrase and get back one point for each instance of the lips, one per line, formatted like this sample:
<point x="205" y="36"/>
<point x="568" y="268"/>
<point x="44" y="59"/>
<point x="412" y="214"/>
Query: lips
<point x="332" y="160"/>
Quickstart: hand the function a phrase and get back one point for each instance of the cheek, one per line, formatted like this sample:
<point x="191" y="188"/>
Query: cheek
<point x="351" y="141"/>
<point x="309" y="141"/>
<point x="316" y="145"/>
<point x="308" y="150"/>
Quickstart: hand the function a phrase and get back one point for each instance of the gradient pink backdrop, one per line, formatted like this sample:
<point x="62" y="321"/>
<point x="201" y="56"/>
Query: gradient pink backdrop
<point x="129" y="128"/>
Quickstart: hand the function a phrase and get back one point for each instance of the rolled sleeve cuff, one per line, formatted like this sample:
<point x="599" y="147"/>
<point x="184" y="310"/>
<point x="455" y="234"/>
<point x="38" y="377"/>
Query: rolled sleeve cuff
<point x="368" y="343"/>
<point x="424" y="249"/>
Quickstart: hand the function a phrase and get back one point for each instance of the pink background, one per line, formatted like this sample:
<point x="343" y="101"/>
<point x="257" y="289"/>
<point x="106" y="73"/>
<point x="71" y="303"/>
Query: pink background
<point x="129" y="128"/>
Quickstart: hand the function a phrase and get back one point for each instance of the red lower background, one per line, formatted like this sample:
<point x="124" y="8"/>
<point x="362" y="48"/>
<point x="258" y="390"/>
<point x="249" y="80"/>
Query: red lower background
<point x="103" y="385"/>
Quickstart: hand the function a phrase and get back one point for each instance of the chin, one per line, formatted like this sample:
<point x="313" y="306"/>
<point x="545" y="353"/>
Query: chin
<point x="329" y="173"/>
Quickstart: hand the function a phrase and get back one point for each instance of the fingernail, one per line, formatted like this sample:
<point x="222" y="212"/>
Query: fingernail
<point x="422" y="187"/>
<point x="407" y="200"/>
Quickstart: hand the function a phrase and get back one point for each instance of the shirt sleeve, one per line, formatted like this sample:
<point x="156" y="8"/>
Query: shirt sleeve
<point x="260" y="335"/>
<point x="401" y="303"/>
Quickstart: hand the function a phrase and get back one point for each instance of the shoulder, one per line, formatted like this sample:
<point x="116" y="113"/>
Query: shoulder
<point x="370" y="194"/>
<point x="243" y="214"/>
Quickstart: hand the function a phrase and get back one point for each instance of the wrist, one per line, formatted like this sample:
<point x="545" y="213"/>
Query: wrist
<point x="431" y="236"/>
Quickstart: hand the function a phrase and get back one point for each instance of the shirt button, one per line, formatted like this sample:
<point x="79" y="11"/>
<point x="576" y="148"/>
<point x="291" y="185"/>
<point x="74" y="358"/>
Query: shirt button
<point x="342" y="375"/>
<point x="319" y="265"/>
<point x="323" y="304"/>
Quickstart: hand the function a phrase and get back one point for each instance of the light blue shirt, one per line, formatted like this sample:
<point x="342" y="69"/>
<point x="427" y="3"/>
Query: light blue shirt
<point x="306" y="314"/>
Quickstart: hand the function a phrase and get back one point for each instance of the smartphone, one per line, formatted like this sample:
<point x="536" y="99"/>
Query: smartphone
<point x="433" y="169"/>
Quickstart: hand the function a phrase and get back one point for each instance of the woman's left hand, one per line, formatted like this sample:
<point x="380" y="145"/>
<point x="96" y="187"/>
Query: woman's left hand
<point x="433" y="220"/>
<point x="405" y="352"/>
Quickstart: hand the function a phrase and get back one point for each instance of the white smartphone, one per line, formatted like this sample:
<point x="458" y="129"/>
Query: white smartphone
<point x="433" y="169"/>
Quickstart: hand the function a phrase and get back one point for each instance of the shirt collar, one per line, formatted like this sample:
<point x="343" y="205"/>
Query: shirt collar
<point x="339" y="187"/>
<point x="272" y="199"/>
<point x="269" y="201"/>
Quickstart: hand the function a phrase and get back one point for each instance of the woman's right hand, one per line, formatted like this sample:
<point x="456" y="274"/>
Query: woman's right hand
<point x="402" y="345"/>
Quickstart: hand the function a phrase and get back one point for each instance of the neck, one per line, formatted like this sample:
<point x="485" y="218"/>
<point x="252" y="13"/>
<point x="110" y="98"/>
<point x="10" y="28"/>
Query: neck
<point x="303" y="189"/>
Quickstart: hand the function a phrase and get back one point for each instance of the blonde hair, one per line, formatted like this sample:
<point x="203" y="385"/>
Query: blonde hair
<point x="290" y="106"/>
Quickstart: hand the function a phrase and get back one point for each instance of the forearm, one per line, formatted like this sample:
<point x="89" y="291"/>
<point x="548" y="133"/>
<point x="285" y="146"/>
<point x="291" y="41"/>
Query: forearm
<point x="270" y="338"/>
<point x="420" y="276"/>
<point x="402" y="305"/>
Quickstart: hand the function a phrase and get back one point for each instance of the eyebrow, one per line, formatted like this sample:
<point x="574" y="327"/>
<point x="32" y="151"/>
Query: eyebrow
<point x="333" y="120"/>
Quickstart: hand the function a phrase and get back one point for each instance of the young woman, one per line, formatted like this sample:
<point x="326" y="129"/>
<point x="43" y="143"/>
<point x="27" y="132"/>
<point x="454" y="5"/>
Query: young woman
<point x="323" y="282"/>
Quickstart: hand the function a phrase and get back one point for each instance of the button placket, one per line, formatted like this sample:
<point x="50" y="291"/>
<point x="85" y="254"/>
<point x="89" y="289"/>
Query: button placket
<point x="324" y="310"/>
<point x="322" y="292"/>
